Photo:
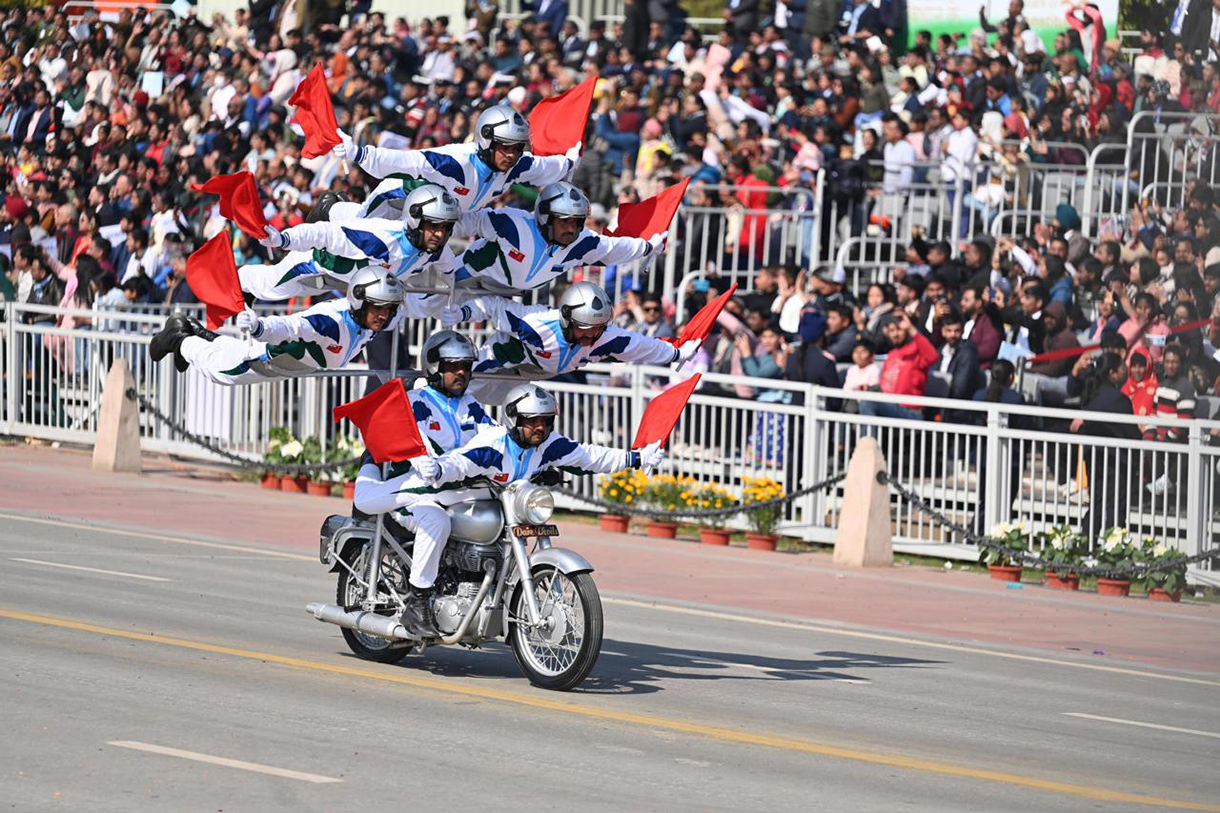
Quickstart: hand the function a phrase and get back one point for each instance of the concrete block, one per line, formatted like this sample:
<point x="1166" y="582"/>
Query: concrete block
<point x="117" y="445"/>
<point x="863" y="539"/>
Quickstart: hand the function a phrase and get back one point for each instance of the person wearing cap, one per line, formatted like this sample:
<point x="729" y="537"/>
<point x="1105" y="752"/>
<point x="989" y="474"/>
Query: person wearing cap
<point x="475" y="173"/>
<point x="828" y="285"/>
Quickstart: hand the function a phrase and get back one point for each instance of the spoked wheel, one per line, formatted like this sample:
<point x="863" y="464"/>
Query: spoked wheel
<point x="560" y="653"/>
<point x="350" y="593"/>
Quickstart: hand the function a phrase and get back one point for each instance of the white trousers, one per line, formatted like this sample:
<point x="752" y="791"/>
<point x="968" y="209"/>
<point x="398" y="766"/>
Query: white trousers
<point x="430" y="524"/>
<point x="224" y="359"/>
<point x="292" y="276"/>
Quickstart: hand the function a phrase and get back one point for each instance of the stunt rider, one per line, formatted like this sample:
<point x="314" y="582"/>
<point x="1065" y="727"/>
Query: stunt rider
<point x="324" y="337"/>
<point x="541" y="342"/>
<point x="525" y="445"/>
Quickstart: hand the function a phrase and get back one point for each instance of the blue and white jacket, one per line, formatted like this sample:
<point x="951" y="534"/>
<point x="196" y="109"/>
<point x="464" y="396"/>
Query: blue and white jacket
<point x="458" y="168"/>
<point x="511" y="250"/>
<point x="530" y="337"/>
<point x="446" y="423"/>
<point x="323" y="337"/>
<point x="375" y="240"/>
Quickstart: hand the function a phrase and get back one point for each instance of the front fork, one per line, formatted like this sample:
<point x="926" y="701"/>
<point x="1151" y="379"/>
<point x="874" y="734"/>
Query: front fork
<point x="527" y="578"/>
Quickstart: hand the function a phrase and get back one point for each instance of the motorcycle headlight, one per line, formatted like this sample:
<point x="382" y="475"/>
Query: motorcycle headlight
<point x="534" y="505"/>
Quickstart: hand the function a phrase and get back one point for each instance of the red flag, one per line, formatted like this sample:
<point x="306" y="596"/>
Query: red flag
<point x="701" y="324"/>
<point x="238" y="201"/>
<point x="649" y="217"/>
<point x="557" y="123"/>
<point x="211" y="274"/>
<point x="662" y="413"/>
<point x="386" y="421"/>
<point x="315" y="113"/>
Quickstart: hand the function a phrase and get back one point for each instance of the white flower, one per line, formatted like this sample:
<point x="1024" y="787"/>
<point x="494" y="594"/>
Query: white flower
<point x="273" y="445"/>
<point x="1160" y="549"/>
<point x="1001" y="529"/>
<point x="1059" y="541"/>
<point x="292" y="449"/>
<point x="1115" y="537"/>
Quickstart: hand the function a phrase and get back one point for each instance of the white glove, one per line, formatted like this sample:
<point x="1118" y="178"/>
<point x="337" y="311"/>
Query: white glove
<point x="573" y="154"/>
<point x="687" y="350"/>
<point x="659" y="242"/>
<point x="274" y="238"/>
<point x="248" y="322"/>
<point x="652" y="455"/>
<point x="346" y="149"/>
<point x="428" y="468"/>
<point x="451" y="316"/>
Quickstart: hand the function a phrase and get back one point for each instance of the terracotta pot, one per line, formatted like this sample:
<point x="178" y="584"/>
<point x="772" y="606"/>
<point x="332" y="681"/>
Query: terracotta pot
<point x="349" y="490"/>
<point x="760" y="541"/>
<point x="295" y="485"/>
<point x="1005" y="573"/>
<point x="270" y="481"/>
<point x="1160" y="594"/>
<point x="614" y="523"/>
<point x="1113" y="587"/>
<point x="714" y="536"/>
<point x="1057" y="581"/>
<point x="318" y="489"/>
<point x="663" y="530"/>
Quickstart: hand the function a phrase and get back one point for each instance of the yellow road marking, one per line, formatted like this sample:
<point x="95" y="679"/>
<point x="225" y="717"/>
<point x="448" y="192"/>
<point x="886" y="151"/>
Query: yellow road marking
<point x="898" y="639"/>
<point x="643" y="720"/>
<point x="180" y="540"/>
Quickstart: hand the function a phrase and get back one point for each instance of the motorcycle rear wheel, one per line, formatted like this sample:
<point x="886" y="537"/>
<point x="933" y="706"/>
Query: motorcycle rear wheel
<point x="349" y="593"/>
<point x="561" y="657"/>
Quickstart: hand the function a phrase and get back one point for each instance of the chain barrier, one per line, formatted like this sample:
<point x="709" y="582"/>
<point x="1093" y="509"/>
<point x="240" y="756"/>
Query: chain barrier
<point x="1028" y="559"/>
<point x="291" y="469"/>
<point x="700" y="513"/>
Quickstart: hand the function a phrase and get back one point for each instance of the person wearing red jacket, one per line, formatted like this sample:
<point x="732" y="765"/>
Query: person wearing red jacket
<point x="905" y="371"/>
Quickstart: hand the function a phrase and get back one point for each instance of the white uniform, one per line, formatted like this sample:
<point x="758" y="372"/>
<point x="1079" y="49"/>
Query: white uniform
<point x="456" y="167"/>
<point x="529" y="340"/>
<point x="323" y="337"/>
<point x="338" y="248"/>
<point x="491" y="454"/>
<point x="511" y="250"/>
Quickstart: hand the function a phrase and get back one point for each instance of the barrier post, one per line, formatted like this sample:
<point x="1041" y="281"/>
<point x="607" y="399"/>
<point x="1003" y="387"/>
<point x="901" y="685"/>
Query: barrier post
<point x="117" y="444"/>
<point x="864" y="536"/>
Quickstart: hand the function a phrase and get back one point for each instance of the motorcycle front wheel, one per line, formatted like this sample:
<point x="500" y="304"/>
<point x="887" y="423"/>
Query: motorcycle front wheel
<point x="350" y="593"/>
<point x="561" y="653"/>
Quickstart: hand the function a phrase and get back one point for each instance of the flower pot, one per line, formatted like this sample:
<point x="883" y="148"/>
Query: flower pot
<point x="614" y="523"/>
<point x="270" y="481"/>
<point x="1005" y="573"/>
<point x="318" y="489"/>
<point x="662" y="530"/>
<point x="755" y="541"/>
<point x="349" y="490"/>
<point x="1057" y="581"/>
<point x="714" y="536"/>
<point x="1161" y="594"/>
<point x="295" y="485"/>
<point x="1113" y="587"/>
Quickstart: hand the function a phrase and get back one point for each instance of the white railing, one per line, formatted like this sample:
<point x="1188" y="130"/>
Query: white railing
<point x="974" y="463"/>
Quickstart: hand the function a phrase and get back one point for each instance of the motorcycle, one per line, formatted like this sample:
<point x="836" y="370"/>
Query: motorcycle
<point x="543" y="602"/>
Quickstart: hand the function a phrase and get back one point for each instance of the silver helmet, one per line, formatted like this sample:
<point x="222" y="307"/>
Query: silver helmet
<point x="585" y="305"/>
<point x="444" y="345"/>
<point x="431" y="203"/>
<point x="559" y="199"/>
<point x="503" y="124"/>
<point x="373" y="284"/>
<point x="527" y="401"/>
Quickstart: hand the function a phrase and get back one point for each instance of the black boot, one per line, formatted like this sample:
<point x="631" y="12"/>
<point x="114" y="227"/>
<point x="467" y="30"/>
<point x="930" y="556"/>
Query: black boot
<point x="169" y="339"/>
<point x="196" y="328"/>
<point x="417" y="616"/>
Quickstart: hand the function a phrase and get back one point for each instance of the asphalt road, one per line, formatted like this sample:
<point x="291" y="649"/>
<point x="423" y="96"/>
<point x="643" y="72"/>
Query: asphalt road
<point x="205" y="686"/>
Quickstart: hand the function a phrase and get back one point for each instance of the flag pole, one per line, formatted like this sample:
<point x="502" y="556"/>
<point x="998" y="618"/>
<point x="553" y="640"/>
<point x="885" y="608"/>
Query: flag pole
<point x="375" y="559"/>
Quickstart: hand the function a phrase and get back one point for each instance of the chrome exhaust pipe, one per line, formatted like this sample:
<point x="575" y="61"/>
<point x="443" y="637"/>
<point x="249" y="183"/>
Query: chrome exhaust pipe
<point x="362" y="621"/>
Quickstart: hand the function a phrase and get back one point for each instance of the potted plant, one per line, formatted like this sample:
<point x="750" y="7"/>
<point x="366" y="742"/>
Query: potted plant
<point x="1167" y="584"/>
<point x="711" y="497"/>
<point x="1002" y="564"/>
<point x="621" y="488"/>
<point x="1116" y="548"/>
<point x="311" y="453"/>
<point x="273" y="456"/>
<point x="763" y="520"/>
<point x="664" y="493"/>
<point x="290" y="453"/>
<point x="1062" y="549"/>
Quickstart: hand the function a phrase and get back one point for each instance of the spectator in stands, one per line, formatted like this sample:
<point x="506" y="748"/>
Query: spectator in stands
<point x="655" y="323"/>
<point x="1027" y="330"/>
<point x="958" y="361"/>
<point x="1059" y="337"/>
<point x="864" y="374"/>
<point x="905" y="371"/>
<point x="1107" y="467"/>
<point x="790" y="302"/>
<point x="982" y="325"/>
<point x="1147" y="328"/>
<point x="808" y="362"/>
<point x="840" y="332"/>
<point x="1141" y="386"/>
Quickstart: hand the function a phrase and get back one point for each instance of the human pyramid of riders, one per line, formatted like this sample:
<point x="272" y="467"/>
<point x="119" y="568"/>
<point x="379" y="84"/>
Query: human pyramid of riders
<point x="391" y="254"/>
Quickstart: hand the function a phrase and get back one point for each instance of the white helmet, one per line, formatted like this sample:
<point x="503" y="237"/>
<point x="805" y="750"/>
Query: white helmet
<point x="584" y="305"/>
<point x="559" y="199"/>
<point x="500" y="123"/>
<point x="373" y="284"/>
<point x="527" y="401"/>
<point x="431" y="203"/>
<point x="444" y="345"/>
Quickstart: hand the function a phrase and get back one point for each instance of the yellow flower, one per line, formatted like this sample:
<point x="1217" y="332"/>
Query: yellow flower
<point x="627" y="498"/>
<point x="614" y="492"/>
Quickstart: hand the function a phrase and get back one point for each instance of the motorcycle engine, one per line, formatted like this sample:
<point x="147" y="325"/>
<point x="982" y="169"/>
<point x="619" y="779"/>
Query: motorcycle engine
<point x="462" y="567"/>
<point x="451" y="608"/>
